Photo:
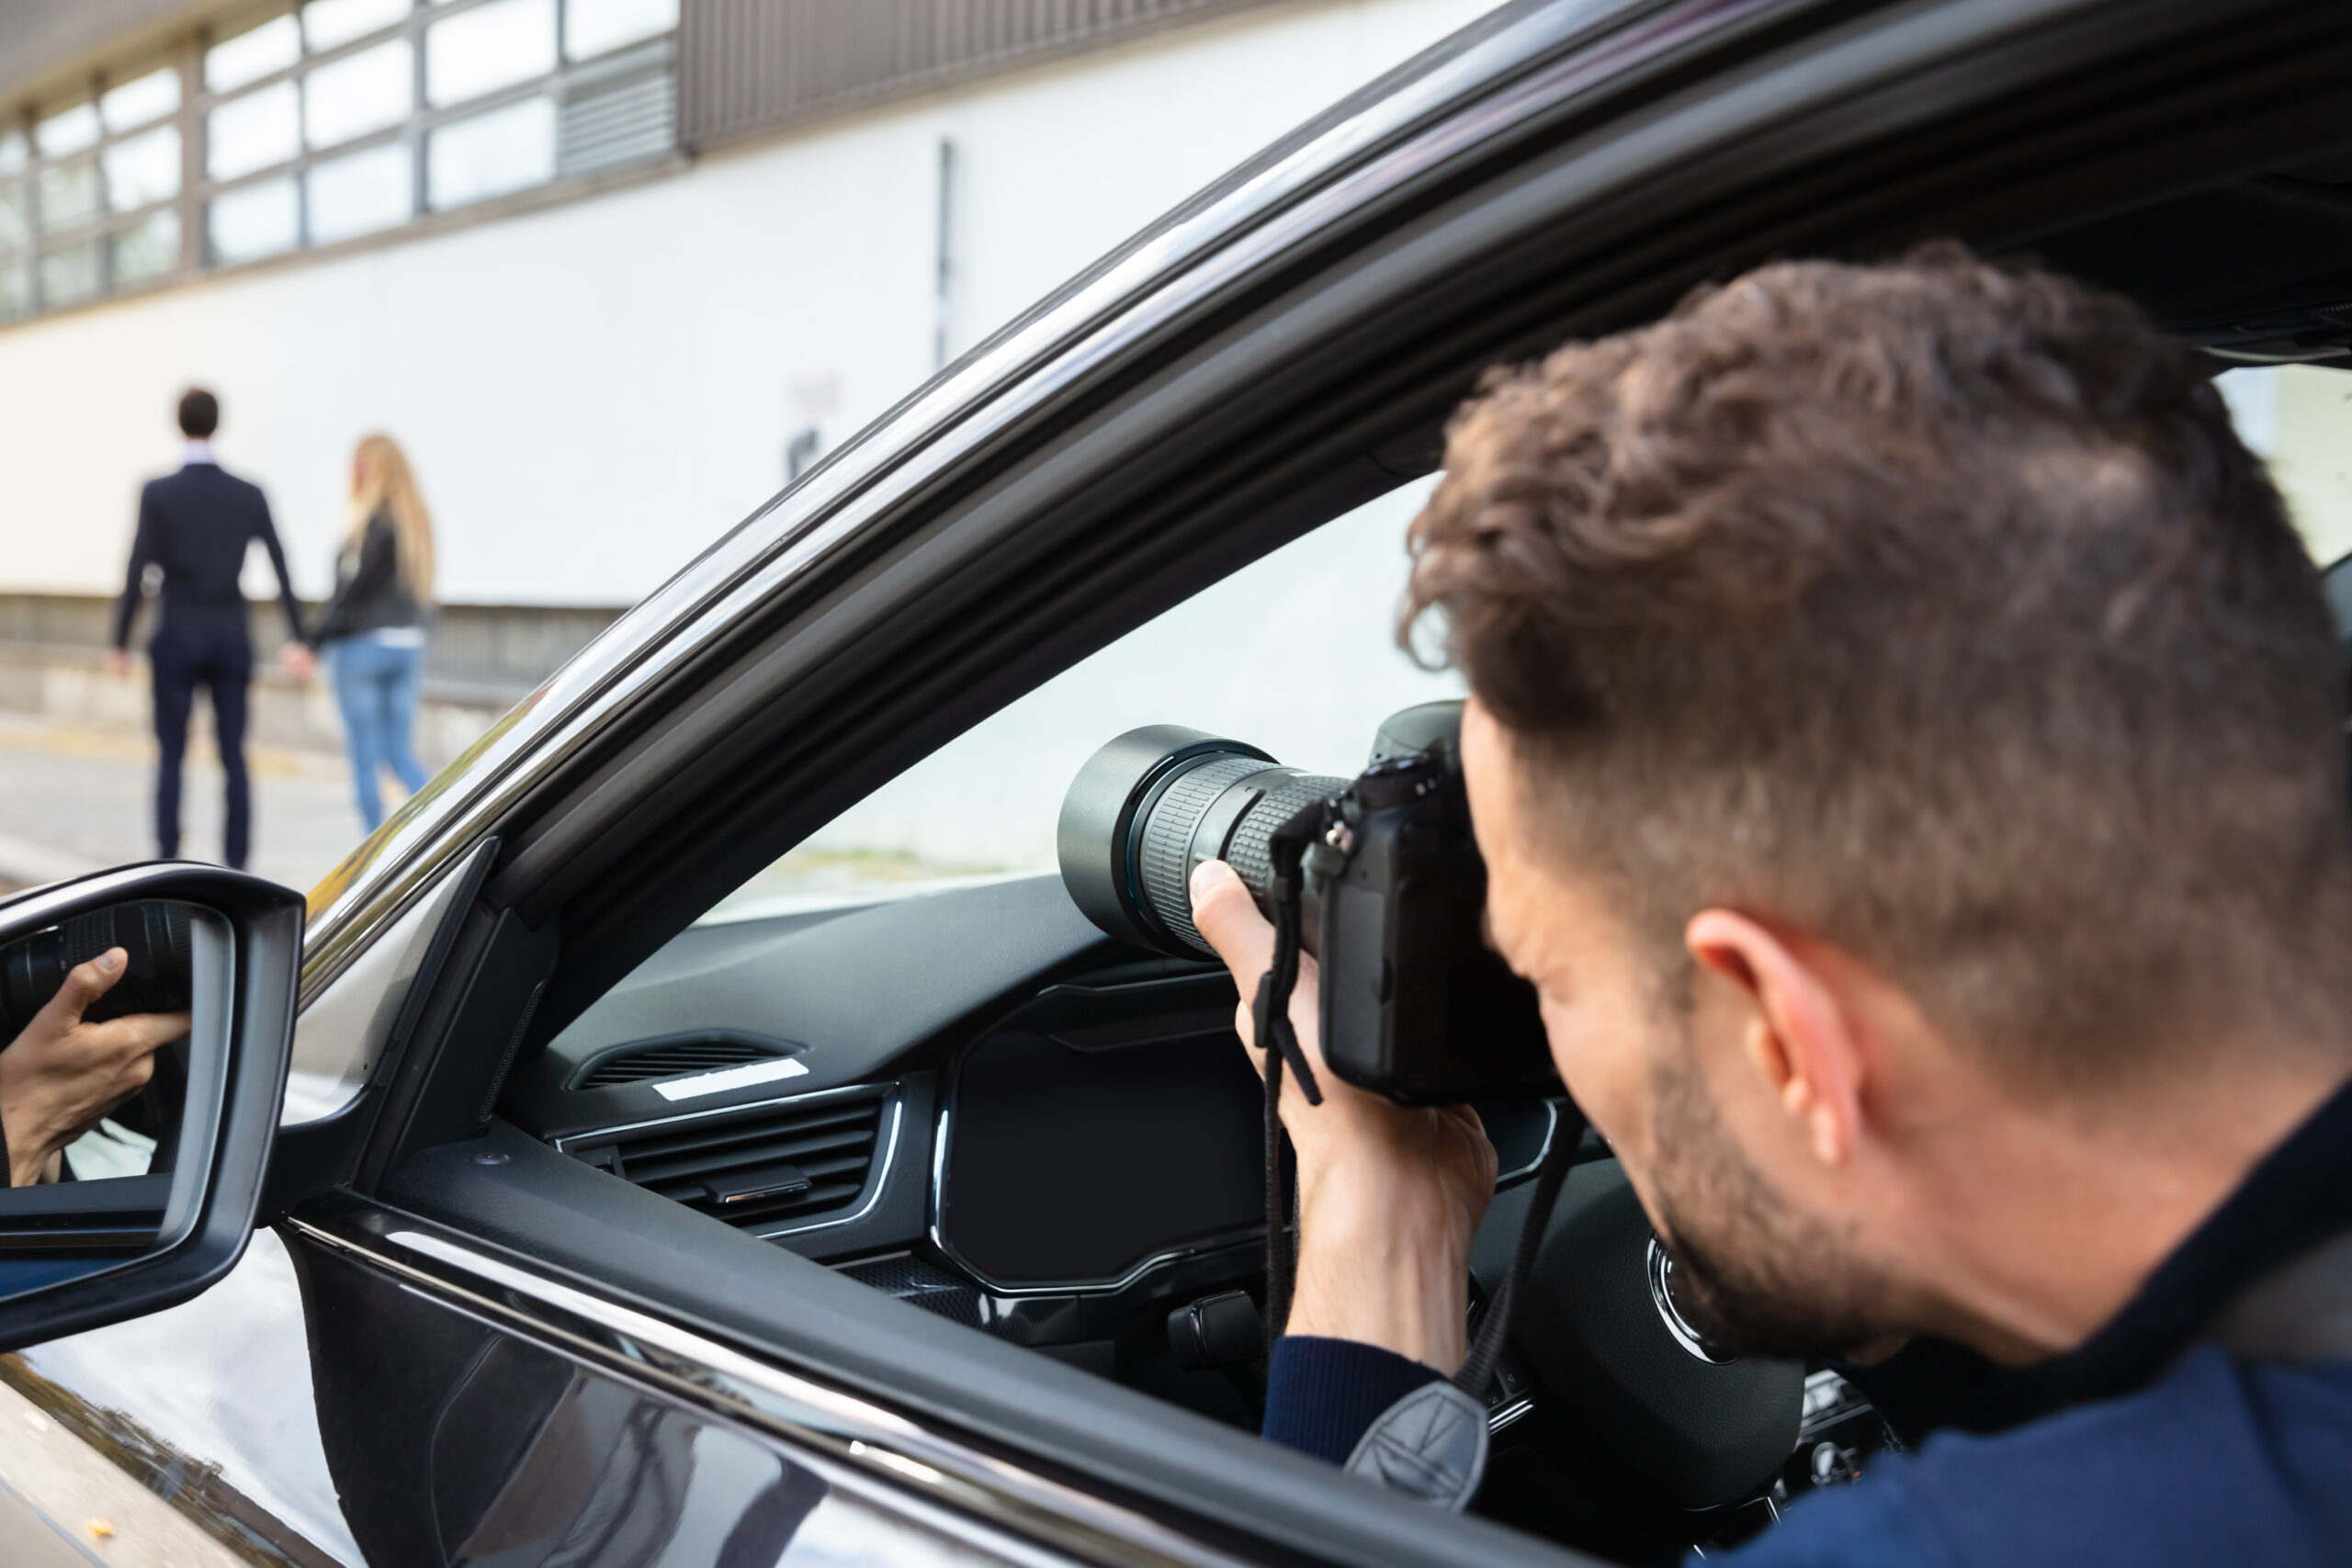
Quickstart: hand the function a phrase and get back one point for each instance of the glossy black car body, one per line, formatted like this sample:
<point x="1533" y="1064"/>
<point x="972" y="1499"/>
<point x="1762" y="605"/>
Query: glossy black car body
<point x="470" y="1335"/>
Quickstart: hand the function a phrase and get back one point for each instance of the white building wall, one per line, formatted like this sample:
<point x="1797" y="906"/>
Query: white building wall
<point x="593" y="391"/>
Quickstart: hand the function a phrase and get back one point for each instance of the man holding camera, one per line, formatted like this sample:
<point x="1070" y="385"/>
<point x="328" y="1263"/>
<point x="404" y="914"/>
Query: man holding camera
<point x="1906" y="750"/>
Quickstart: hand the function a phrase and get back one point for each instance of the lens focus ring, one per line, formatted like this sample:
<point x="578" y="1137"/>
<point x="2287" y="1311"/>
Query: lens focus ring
<point x="1164" y="861"/>
<point x="1247" y="852"/>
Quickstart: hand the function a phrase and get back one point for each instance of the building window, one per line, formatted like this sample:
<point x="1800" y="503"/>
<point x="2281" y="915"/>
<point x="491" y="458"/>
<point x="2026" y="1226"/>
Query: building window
<point x="67" y="190"/>
<point x="145" y="248"/>
<point x="255" y="221"/>
<point x="327" y="24"/>
<point x="327" y="123"/>
<point x="16" y="227"/>
<point x="359" y="93"/>
<point x="69" y="130"/>
<point x="143" y="169"/>
<point x="361" y="192"/>
<point x="68" y="274"/>
<point x="262" y="128"/>
<point x="491" y="154"/>
<point x="493" y="45"/>
<point x="141" y="100"/>
<point x="592" y="27"/>
<point x="264" y="51"/>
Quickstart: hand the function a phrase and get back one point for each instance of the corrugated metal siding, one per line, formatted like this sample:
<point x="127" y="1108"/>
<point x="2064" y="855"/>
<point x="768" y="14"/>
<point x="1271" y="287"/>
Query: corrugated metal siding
<point x="750" y="65"/>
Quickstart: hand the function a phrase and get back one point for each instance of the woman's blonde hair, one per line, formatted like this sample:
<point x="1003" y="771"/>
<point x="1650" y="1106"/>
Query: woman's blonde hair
<point x="382" y="481"/>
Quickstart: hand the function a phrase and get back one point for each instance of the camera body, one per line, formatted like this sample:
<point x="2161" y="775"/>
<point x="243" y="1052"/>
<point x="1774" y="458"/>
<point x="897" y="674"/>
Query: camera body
<point x="1414" y="1004"/>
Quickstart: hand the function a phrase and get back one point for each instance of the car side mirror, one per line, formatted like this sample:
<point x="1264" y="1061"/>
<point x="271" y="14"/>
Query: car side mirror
<point x="146" y="1019"/>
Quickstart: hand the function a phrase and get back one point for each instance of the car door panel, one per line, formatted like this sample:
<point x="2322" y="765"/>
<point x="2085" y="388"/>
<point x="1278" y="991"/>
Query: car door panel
<point x="477" y="1443"/>
<point x="207" y="1408"/>
<point x="195" y="1436"/>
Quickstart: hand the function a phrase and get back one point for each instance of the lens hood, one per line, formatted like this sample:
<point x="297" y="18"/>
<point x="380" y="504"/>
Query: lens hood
<point x="1096" y="831"/>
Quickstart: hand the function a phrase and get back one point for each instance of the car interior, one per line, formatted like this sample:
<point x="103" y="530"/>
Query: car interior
<point x="901" y="1052"/>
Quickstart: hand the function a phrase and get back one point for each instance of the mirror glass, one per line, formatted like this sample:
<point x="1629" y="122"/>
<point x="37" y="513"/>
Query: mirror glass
<point x="113" y="1021"/>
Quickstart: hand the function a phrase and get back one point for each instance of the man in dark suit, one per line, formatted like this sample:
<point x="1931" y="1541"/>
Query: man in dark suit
<point x="194" y="527"/>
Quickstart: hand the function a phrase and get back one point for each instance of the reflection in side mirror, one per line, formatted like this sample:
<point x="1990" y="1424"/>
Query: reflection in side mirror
<point x="98" y="1057"/>
<point x="145" y="1017"/>
<point x="154" y="937"/>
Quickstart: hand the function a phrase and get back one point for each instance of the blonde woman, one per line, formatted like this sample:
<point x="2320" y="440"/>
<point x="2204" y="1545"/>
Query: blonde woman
<point x="372" y="631"/>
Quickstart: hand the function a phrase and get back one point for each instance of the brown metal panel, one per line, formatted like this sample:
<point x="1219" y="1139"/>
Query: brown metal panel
<point x="746" y="66"/>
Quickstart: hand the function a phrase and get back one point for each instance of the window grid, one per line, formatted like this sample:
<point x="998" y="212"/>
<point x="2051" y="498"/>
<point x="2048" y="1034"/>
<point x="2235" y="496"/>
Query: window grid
<point x="65" y="260"/>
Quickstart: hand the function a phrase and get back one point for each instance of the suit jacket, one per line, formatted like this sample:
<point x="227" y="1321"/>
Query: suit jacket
<point x="196" y="525"/>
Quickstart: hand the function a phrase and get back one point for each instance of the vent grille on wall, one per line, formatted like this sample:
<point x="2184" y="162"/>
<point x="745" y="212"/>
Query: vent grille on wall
<point x="619" y="112"/>
<point x="760" y="1170"/>
<point x="672" y="1059"/>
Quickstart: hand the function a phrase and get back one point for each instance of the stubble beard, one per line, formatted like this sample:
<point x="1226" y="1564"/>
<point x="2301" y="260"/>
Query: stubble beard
<point x="1765" y="1279"/>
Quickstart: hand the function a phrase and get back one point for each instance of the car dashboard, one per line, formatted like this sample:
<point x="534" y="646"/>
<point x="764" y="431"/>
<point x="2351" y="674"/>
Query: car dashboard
<point x="972" y="1100"/>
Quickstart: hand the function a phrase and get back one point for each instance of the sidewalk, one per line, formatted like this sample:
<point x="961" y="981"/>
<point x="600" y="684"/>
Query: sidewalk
<point x="77" y="799"/>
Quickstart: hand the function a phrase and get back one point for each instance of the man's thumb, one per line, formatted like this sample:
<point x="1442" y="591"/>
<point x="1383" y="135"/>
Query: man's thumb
<point x="85" y="983"/>
<point x="1225" y="914"/>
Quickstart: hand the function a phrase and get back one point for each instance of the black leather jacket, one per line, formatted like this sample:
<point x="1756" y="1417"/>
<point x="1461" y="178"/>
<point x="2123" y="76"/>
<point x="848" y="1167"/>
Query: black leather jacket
<point x="368" y="594"/>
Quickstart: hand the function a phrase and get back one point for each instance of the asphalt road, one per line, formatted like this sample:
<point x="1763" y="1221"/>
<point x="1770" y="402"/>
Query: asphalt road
<point x="78" y="800"/>
<point x="65" y="1505"/>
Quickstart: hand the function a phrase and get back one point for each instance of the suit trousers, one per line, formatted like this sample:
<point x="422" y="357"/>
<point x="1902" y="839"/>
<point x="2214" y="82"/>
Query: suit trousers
<point x="218" y="656"/>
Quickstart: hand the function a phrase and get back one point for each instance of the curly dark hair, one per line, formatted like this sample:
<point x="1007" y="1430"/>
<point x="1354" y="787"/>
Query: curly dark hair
<point x="1937" y="609"/>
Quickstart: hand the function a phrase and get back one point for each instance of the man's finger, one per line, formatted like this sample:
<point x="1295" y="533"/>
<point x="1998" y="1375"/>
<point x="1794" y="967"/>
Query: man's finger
<point x="138" y="1032"/>
<point x="1225" y="914"/>
<point x="85" y="983"/>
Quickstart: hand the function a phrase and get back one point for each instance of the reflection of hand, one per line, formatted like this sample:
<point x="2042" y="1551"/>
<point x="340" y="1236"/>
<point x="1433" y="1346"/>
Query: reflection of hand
<point x="1388" y="1196"/>
<point x="117" y="663"/>
<point x="61" y="1074"/>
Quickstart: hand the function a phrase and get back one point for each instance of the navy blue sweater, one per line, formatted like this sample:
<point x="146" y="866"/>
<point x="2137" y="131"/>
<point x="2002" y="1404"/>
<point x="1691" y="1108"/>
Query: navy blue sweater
<point x="2143" y="1446"/>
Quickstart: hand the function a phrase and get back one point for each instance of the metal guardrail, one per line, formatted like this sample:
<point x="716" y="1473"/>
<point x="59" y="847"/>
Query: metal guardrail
<point x="489" y="654"/>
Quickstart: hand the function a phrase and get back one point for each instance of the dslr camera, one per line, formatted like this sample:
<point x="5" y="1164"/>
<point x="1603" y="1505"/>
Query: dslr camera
<point x="1391" y="892"/>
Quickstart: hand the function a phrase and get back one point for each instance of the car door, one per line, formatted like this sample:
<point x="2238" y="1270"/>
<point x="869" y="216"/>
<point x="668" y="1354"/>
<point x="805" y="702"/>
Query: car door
<point x="452" y="1323"/>
<point x="397" y="1430"/>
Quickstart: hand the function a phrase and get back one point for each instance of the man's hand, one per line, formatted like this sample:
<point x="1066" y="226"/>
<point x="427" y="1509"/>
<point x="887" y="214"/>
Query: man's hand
<point x="61" y="1074"/>
<point x="1388" y="1196"/>
<point x="297" y="660"/>
<point x="118" y="663"/>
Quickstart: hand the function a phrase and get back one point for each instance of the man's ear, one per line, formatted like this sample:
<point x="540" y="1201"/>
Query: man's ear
<point x="1799" y="1034"/>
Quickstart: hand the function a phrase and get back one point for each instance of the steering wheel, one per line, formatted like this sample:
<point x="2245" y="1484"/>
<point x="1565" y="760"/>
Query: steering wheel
<point x="1600" y="1328"/>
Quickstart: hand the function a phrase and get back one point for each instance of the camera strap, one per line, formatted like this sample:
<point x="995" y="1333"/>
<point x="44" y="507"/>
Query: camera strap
<point x="1477" y="1371"/>
<point x="2300" y="1313"/>
<point x="1432" y="1443"/>
<point x="1270" y="1022"/>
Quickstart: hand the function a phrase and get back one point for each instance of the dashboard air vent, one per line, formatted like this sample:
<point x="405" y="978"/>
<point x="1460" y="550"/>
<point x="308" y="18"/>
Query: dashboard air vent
<point x="758" y="1170"/>
<point x="673" y="1059"/>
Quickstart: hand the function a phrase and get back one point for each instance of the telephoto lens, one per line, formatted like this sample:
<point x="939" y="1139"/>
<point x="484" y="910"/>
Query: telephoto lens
<point x="154" y="937"/>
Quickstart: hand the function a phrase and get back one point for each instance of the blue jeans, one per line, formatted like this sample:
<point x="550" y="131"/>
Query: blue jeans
<point x="376" y="685"/>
